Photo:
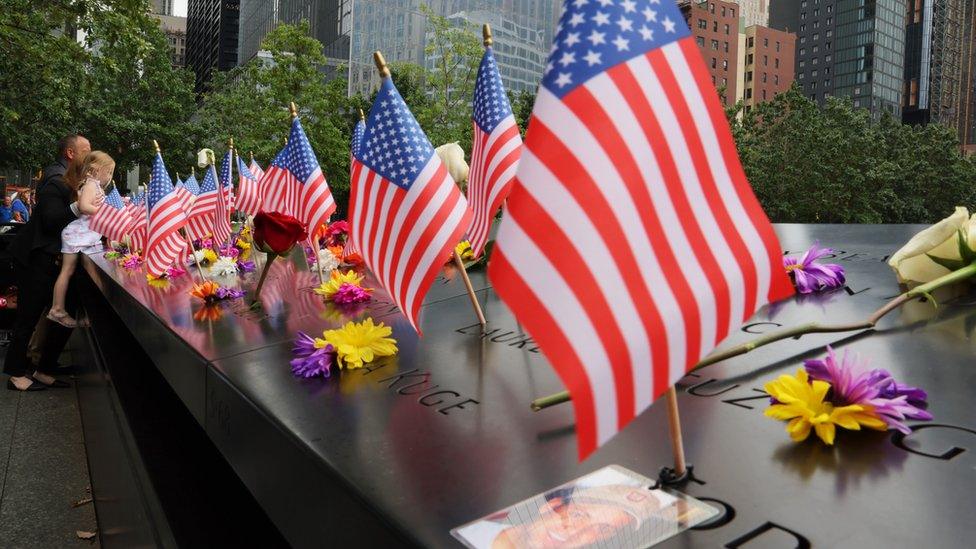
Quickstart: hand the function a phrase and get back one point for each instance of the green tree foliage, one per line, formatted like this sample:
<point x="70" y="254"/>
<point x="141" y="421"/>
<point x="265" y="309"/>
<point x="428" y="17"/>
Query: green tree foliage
<point x="522" y="104"/>
<point x="118" y="88"/>
<point x="250" y="104"/>
<point x="837" y="165"/>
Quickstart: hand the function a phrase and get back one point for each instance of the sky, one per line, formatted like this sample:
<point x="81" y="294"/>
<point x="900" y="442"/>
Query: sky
<point x="179" y="8"/>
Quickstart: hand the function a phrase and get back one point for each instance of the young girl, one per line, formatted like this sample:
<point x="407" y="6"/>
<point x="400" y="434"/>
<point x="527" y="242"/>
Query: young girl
<point x="86" y="177"/>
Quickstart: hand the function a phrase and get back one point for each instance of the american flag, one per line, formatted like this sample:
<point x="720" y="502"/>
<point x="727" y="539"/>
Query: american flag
<point x="192" y="185"/>
<point x="256" y="170"/>
<point x="495" y="150"/>
<point x="632" y="243"/>
<point x="140" y="221"/>
<point x="201" y="217"/>
<point x="221" y="227"/>
<point x="406" y="211"/>
<point x="164" y="243"/>
<point x="112" y="220"/>
<point x="186" y="196"/>
<point x="357" y="136"/>
<point x="248" y="193"/>
<point x="295" y="184"/>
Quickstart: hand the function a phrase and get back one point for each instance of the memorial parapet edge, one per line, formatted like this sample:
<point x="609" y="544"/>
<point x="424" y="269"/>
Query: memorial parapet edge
<point x="442" y="433"/>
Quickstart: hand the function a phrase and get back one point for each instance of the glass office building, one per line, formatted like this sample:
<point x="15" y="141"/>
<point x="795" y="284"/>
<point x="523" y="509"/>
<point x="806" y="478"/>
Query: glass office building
<point x="869" y="53"/>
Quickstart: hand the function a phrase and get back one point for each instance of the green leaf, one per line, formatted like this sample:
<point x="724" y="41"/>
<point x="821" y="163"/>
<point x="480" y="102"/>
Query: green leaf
<point x="951" y="264"/>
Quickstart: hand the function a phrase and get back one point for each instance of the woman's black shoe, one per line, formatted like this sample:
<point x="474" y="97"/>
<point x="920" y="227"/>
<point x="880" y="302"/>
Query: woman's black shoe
<point x="35" y="386"/>
<point x="56" y="384"/>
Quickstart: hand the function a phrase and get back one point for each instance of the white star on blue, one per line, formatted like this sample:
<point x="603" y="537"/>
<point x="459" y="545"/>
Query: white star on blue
<point x="490" y="102"/>
<point x="225" y="169"/>
<point x="243" y="169"/>
<point x="393" y="145"/>
<point x="114" y="199"/>
<point x="209" y="182"/>
<point x="192" y="185"/>
<point x="160" y="185"/>
<point x="596" y="35"/>
<point x="297" y="157"/>
<point x="357" y="135"/>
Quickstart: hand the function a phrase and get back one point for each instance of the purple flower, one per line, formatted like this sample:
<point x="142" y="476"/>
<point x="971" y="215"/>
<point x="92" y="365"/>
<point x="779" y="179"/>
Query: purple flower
<point x="852" y="383"/>
<point x="310" y="255"/>
<point x="229" y="293"/>
<point x="809" y="276"/>
<point x="245" y="266"/>
<point x="229" y="251"/>
<point x="309" y="360"/>
<point x="350" y="293"/>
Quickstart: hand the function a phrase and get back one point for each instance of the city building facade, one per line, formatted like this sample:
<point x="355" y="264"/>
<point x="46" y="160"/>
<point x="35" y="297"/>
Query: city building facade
<point x="523" y="30"/>
<point x="211" y="38"/>
<point x="715" y="26"/>
<point x="329" y="22"/>
<point x="175" y="30"/>
<point x="162" y="7"/>
<point x="768" y="64"/>
<point x="754" y="12"/>
<point x="847" y="48"/>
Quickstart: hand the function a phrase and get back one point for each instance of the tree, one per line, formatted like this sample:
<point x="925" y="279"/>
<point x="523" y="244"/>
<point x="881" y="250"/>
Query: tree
<point x="250" y="104"/>
<point x="454" y="54"/>
<point x="118" y="88"/>
<point x="522" y="104"/>
<point x="837" y="165"/>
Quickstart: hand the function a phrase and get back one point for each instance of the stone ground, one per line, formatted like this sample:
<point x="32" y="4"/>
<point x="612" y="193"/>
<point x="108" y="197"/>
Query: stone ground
<point x="43" y="470"/>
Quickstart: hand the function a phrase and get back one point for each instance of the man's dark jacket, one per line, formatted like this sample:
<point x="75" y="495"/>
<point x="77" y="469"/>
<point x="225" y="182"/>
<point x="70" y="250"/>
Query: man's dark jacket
<point x="52" y="213"/>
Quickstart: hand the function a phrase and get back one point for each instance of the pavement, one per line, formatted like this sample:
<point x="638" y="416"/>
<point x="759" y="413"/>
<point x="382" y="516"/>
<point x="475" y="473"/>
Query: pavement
<point x="43" y="471"/>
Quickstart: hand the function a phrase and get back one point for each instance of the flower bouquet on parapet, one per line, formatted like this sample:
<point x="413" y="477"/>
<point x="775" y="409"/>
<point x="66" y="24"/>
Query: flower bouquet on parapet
<point x="344" y="294"/>
<point x="275" y="234"/>
<point x="349" y="347"/>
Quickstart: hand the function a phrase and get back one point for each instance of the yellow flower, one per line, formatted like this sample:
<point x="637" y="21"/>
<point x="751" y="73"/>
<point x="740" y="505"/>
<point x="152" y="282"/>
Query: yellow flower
<point x="463" y="249"/>
<point x="357" y="343"/>
<point x="337" y="279"/>
<point x="209" y="256"/>
<point x="802" y="403"/>
<point x="157" y="282"/>
<point x="245" y="248"/>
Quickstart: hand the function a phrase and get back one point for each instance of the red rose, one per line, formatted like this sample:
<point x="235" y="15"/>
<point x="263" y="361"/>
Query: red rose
<point x="276" y="233"/>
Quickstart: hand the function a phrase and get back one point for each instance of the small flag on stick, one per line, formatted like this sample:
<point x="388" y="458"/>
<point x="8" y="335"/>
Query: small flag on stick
<point x="632" y="243"/>
<point x="406" y="212"/>
<point x="495" y="149"/>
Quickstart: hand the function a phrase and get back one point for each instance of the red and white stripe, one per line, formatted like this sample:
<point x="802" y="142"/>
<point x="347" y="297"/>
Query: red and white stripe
<point x="112" y="223"/>
<point x="256" y="170"/>
<point x="140" y="223"/>
<point x="248" y="195"/>
<point x="186" y="198"/>
<point x="494" y="159"/>
<point x="221" y="215"/>
<point x="632" y="243"/>
<point x="405" y="236"/>
<point x="281" y="192"/>
<point x="164" y="243"/>
<point x="200" y="220"/>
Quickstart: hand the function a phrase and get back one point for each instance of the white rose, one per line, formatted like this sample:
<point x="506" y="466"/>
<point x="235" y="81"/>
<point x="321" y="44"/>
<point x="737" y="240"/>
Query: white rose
<point x="205" y="158"/>
<point x="912" y="263"/>
<point x="452" y="155"/>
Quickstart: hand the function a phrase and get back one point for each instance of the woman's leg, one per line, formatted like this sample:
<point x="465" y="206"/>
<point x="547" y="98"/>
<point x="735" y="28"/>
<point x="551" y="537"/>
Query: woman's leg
<point x="68" y="263"/>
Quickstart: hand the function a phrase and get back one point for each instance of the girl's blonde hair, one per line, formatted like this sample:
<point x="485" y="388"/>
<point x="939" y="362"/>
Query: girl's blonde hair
<point x="82" y="168"/>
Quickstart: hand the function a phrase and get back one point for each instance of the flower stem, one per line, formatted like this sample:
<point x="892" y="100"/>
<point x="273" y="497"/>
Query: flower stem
<point x="264" y="274"/>
<point x="923" y="290"/>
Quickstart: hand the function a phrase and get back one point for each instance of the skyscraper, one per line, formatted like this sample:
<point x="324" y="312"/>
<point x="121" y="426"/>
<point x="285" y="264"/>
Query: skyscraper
<point x="328" y="23"/>
<point x="847" y="48"/>
<point x="523" y="31"/>
<point x="162" y="7"/>
<point x="715" y="25"/>
<point x="211" y="38"/>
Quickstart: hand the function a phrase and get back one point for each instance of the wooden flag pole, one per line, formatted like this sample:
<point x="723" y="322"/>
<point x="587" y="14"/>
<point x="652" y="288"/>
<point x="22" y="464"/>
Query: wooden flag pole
<point x="467" y="284"/>
<point x="230" y="184"/>
<point x="674" y="429"/>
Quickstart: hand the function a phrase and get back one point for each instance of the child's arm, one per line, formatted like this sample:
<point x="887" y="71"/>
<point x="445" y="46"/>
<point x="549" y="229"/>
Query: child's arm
<point x="90" y="198"/>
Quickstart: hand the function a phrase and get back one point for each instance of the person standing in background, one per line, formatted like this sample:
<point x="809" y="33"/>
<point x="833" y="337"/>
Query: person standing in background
<point x="37" y="249"/>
